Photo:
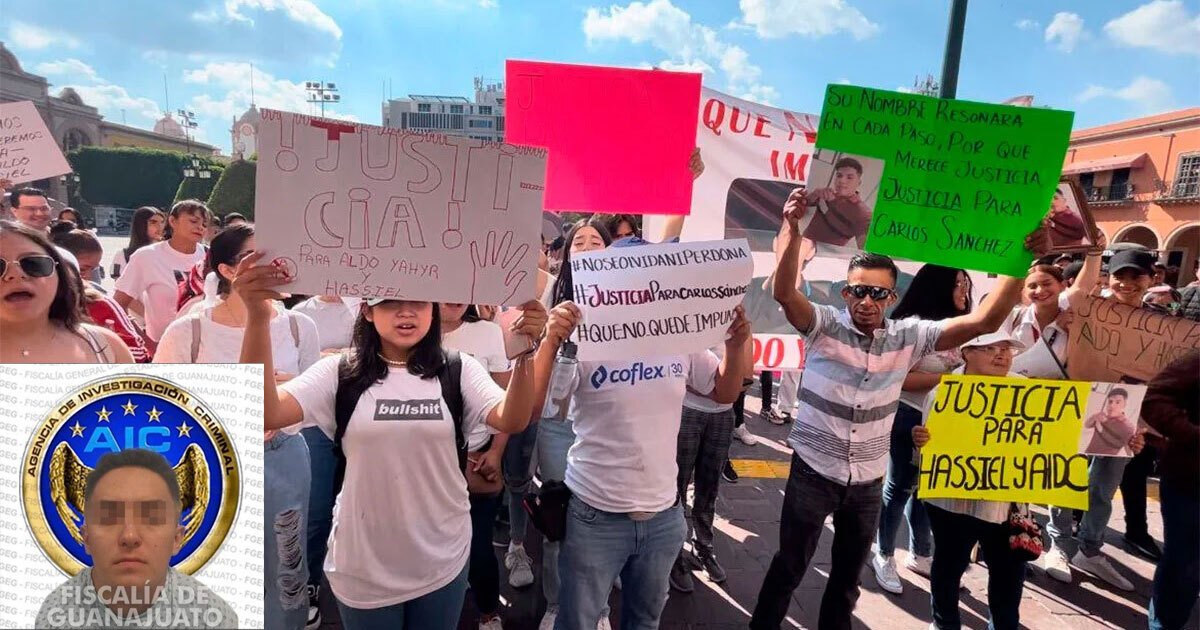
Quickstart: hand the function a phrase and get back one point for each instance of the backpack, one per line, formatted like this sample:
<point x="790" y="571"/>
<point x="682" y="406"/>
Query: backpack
<point x="348" y="395"/>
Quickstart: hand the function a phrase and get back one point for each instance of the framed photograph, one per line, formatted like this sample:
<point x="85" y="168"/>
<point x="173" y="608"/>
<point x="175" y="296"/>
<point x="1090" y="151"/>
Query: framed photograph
<point x="1111" y="419"/>
<point x="1073" y="229"/>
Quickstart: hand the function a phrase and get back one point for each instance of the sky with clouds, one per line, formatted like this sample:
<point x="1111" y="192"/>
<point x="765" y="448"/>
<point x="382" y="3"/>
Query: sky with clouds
<point x="1103" y="59"/>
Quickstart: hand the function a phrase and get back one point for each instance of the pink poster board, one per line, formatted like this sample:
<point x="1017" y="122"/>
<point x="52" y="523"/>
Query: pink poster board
<point x="619" y="139"/>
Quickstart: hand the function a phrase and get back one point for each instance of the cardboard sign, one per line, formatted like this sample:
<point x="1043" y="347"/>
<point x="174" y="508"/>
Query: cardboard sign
<point x="619" y="139"/>
<point x="1006" y="439"/>
<point x="657" y="300"/>
<point x="1110" y="340"/>
<point x="376" y="212"/>
<point x="963" y="183"/>
<point x="28" y="151"/>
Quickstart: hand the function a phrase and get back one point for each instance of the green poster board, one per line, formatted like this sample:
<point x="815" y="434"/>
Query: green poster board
<point x="963" y="183"/>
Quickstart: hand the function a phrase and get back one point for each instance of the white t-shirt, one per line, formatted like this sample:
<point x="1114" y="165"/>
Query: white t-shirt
<point x="150" y="277"/>
<point x="940" y="362"/>
<point x="1036" y="361"/>
<point x="335" y="321"/>
<point x="626" y="420"/>
<point x="401" y="524"/>
<point x="119" y="262"/>
<point x="692" y="400"/>
<point x="223" y="344"/>
<point x="482" y="340"/>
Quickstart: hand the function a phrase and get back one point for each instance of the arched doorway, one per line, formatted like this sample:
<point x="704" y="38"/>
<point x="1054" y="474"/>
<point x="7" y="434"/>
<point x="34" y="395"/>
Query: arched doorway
<point x="75" y="139"/>
<point x="1139" y="234"/>
<point x="1182" y="251"/>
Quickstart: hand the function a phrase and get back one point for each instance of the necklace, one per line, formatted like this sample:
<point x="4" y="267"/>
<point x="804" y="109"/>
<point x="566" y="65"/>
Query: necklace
<point x="391" y="362"/>
<point x="26" y="352"/>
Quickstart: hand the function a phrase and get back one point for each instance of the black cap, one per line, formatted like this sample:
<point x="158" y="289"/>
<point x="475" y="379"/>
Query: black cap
<point x="1072" y="270"/>
<point x="1142" y="261"/>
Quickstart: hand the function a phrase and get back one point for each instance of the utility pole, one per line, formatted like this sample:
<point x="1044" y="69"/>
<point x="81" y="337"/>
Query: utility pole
<point x="322" y="92"/>
<point x="954" y="39"/>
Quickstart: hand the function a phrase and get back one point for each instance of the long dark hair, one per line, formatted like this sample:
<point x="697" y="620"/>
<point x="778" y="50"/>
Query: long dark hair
<point x="78" y="220"/>
<point x="367" y="366"/>
<point x="223" y="250"/>
<point x="67" y="307"/>
<point x="931" y="295"/>
<point x="139" y="235"/>
<point x="564" y="290"/>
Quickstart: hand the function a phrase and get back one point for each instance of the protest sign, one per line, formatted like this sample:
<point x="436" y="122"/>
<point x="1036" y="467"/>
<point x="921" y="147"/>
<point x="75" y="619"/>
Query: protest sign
<point x="778" y="352"/>
<point x="1110" y="340"/>
<point x="1111" y="419"/>
<point x="619" y="139"/>
<point x="754" y="155"/>
<point x="28" y="151"/>
<point x="963" y="182"/>
<point x="657" y="300"/>
<point x="1006" y="439"/>
<point x="377" y="212"/>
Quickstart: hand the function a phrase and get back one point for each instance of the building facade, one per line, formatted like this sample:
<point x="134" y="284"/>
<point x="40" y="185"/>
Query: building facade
<point x="1142" y="181"/>
<point x="451" y="115"/>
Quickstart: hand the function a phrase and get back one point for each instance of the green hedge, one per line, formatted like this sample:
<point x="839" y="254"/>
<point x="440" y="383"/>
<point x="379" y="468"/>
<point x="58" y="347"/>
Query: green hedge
<point x="234" y="192"/>
<point x="197" y="188"/>
<point x="129" y="177"/>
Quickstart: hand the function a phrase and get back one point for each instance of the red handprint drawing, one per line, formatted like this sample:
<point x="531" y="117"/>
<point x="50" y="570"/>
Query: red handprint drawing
<point x="498" y="264"/>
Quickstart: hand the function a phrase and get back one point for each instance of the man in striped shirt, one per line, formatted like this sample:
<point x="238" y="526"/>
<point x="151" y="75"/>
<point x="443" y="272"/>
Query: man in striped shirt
<point x="856" y="361"/>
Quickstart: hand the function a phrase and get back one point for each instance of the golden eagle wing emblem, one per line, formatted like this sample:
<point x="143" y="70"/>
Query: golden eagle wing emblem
<point x="192" y="473"/>
<point x="68" y="478"/>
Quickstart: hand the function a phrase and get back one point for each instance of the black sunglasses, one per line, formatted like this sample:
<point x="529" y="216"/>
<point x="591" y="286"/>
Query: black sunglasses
<point x="35" y="266"/>
<point x="861" y="291"/>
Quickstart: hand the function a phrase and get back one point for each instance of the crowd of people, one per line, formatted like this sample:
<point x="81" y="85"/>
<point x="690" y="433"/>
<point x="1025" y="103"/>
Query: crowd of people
<point x="396" y="518"/>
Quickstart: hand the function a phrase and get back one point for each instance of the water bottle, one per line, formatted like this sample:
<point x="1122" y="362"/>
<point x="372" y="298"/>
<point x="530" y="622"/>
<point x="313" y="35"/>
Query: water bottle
<point x="558" y="397"/>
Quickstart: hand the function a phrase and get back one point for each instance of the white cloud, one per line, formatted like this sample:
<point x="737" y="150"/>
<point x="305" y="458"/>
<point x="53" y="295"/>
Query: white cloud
<point x="1067" y="29"/>
<point x="299" y="11"/>
<point x="810" y="18"/>
<point x="28" y="36"/>
<point x="111" y="99"/>
<point x="230" y="81"/>
<point x="905" y="89"/>
<point x="695" y="65"/>
<point x="67" y="68"/>
<point x="1028" y="25"/>
<point x="1149" y="96"/>
<point x="488" y="4"/>
<point x="844" y="81"/>
<point x="1163" y="25"/>
<point x="691" y="45"/>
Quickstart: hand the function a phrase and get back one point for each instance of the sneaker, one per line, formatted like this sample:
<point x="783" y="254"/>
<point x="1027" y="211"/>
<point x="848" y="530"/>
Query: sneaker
<point x="681" y="577"/>
<point x="785" y="417"/>
<point x="885" y="574"/>
<point x="314" y="607"/>
<point x="1099" y="566"/>
<point x="921" y="565"/>
<point x="1144" y="544"/>
<point x="490" y="623"/>
<point x="773" y="417"/>
<point x="1056" y="564"/>
<point x="604" y="624"/>
<point x="708" y="561"/>
<point x="520" y="567"/>
<point x="728" y="473"/>
<point x="744" y="434"/>
<point x="548" y="618"/>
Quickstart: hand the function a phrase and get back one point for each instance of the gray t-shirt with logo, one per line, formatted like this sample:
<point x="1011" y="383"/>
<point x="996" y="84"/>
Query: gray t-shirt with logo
<point x="183" y="603"/>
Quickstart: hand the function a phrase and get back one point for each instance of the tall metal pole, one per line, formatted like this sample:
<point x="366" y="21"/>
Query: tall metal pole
<point x="954" y="39"/>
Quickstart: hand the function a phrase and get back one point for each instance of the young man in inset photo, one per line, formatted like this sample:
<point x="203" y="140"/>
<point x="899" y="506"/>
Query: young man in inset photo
<point x="842" y="214"/>
<point x="1111" y="428"/>
<point x="131" y="529"/>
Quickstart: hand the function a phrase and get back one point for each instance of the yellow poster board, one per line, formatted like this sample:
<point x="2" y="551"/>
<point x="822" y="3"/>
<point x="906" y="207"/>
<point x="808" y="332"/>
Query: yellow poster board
<point x="1006" y="439"/>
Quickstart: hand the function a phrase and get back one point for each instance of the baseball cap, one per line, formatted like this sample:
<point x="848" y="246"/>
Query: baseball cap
<point x="1072" y="270"/>
<point x="996" y="337"/>
<point x="1141" y="260"/>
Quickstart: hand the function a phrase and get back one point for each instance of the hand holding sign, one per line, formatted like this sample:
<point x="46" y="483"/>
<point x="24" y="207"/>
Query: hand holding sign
<point x="739" y="330"/>
<point x="794" y="208"/>
<point x="256" y="284"/>
<point x="563" y="320"/>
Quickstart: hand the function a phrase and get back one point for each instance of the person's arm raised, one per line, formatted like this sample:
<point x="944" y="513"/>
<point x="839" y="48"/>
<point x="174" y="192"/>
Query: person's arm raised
<point x="673" y="226"/>
<point x="997" y="307"/>
<point x="738" y="362"/>
<point x="515" y="409"/>
<point x="796" y="307"/>
<point x="562" y="321"/>
<point x="1089" y="274"/>
<point x="256" y="285"/>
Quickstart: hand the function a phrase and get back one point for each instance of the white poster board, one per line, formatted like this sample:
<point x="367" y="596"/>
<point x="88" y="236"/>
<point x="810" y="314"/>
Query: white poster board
<point x="28" y="151"/>
<point x="375" y="212"/>
<point x="657" y="300"/>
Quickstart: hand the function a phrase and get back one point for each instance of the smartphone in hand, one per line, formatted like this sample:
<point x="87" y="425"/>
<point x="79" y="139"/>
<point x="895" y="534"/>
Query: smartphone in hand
<point x="515" y="344"/>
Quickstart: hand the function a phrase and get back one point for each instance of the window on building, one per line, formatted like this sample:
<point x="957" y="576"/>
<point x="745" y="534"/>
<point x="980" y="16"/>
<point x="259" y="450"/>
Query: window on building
<point x="485" y="110"/>
<point x="1087" y="182"/>
<point x="1119" y="188"/>
<point x="424" y="107"/>
<point x="481" y="124"/>
<point x="456" y="109"/>
<point x="1187" y="178"/>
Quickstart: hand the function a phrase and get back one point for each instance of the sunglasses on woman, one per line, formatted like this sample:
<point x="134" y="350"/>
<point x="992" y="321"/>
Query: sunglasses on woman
<point x="861" y="291"/>
<point x="35" y="266"/>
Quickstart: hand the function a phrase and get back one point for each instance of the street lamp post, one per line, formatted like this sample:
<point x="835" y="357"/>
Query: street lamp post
<point x="322" y="92"/>
<point x="953" y="55"/>
<point x="187" y="120"/>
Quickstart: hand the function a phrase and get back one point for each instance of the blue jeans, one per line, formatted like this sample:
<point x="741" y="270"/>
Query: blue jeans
<point x="320" y="500"/>
<point x="1104" y="476"/>
<point x="484" y="576"/>
<point x="285" y="492"/>
<point x="438" y="610"/>
<point x="899" y="488"/>
<point x="518" y="476"/>
<point x="1177" y="578"/>
<point x="955" y="534"/>
<point x="554" y="439"/>
<point x="602" y="545"/>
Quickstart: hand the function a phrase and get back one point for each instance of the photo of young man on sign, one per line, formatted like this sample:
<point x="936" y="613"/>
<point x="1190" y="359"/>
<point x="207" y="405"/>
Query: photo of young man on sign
<point x="1111" y="419"/>
<point x="842" y="187"/>
<point x="1072" y="227"/>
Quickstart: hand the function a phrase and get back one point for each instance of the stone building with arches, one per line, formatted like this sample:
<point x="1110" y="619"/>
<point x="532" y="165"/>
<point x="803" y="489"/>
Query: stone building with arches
<point x="1142" y="181"/>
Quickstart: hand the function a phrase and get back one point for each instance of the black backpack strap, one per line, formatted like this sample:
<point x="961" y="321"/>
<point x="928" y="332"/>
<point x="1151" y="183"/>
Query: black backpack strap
<point x="345" y="400"/>
<point x="450" y="378"/>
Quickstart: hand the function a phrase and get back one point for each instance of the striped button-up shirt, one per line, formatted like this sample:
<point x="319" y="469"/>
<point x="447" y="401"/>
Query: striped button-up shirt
<point x="850" y="391"/>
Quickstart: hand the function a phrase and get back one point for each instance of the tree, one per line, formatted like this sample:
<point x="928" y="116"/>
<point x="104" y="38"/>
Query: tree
<point x="129" y="177"/>
<point x="234" y="191"/>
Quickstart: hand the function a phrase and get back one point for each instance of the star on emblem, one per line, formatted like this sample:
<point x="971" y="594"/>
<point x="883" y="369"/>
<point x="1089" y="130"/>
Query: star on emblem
<point x="129" y="408"/>
<point x="184" y="430"/>
<point x="154" y="413"/>
<point x="77" y="430"/>
<point x="103" y="413"/>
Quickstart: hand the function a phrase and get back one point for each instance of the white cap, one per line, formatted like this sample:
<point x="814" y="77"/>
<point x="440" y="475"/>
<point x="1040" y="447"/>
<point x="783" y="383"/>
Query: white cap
<point x="996" y="337"/>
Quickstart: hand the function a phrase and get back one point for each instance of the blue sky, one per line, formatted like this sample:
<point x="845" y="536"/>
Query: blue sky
<point x="1106" y="60"/>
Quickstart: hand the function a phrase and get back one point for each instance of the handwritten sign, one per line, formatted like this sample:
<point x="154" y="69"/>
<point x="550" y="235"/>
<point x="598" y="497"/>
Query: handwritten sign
<point x="28" y="151"/>
<point x="1110" y="340"/>
<point x="619" y="139"/>
<point x="376" y="212"/>
<point x="656" y="300"/>
<point x="1006" y="439"/>
<point x="964" y="182"/>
